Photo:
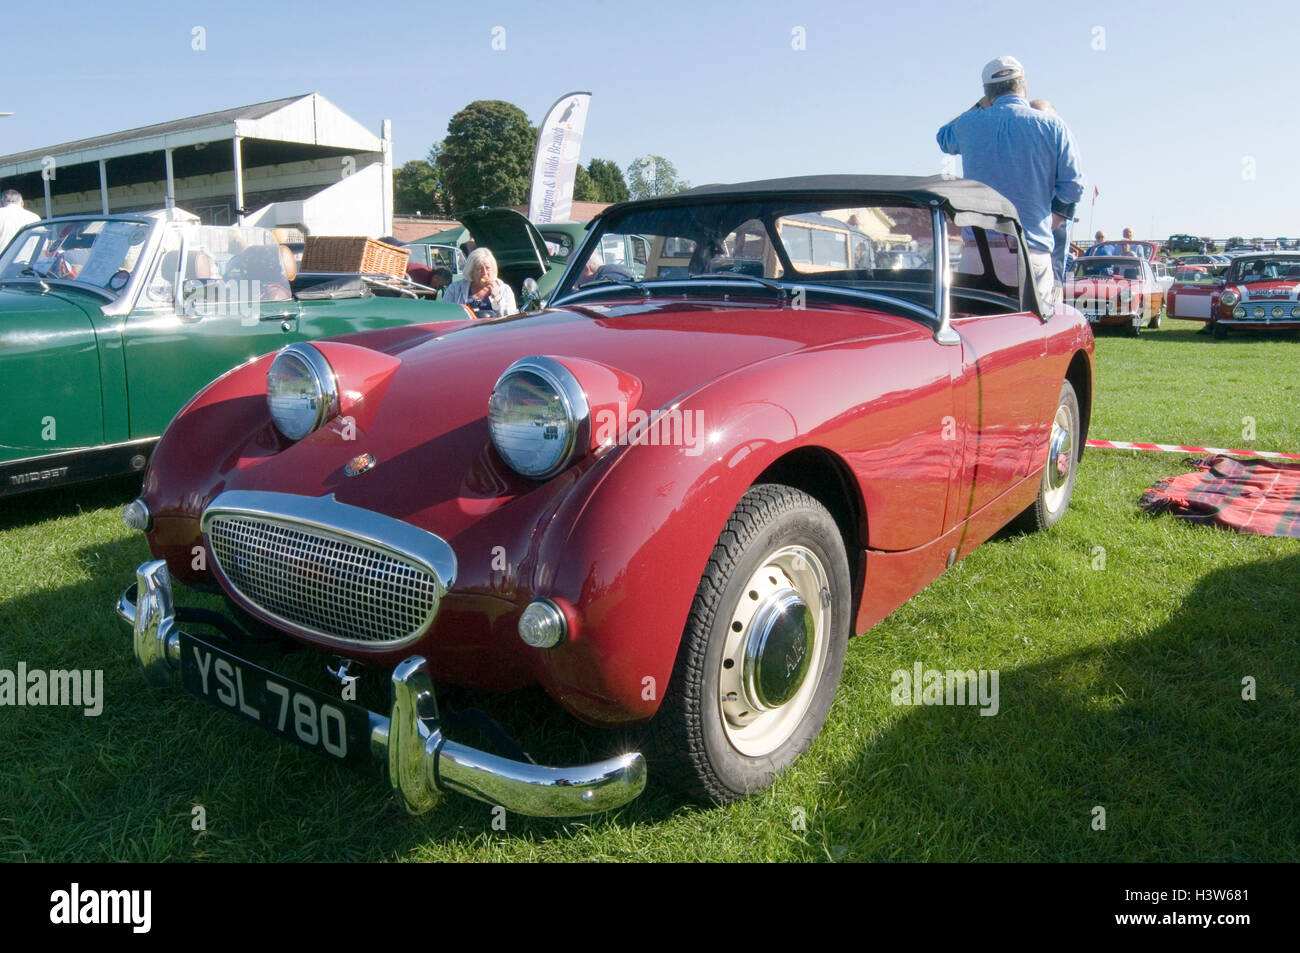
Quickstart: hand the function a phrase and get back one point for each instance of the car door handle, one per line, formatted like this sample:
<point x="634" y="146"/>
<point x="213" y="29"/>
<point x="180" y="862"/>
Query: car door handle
<point x="279" y="316"/>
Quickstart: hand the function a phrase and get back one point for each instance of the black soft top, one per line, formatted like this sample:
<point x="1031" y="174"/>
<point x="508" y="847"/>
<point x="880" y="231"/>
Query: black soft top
<point x="953" y="194"/>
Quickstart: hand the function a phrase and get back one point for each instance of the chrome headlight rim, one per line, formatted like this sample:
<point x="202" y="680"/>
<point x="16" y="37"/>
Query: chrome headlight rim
<point x="323" y="378"/>
<point x="1230" y="298"/>
<point x="577" y="411"/>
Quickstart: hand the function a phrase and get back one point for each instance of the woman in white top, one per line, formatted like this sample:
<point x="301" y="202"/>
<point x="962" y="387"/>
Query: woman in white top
<point x="481" y="289"/>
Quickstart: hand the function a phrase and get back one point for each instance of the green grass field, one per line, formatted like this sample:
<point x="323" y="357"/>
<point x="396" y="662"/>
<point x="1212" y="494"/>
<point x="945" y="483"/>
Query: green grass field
<point x="1120" y="684"/>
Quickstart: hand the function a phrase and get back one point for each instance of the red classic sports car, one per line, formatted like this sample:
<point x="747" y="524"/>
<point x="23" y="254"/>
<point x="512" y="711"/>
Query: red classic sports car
<point x="668" y="499"/>
<point x="1119" y="290"/>
<point x="1259" y="292"/>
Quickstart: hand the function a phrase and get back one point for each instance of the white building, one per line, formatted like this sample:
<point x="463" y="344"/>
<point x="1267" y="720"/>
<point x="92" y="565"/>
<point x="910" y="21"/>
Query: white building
<point x="299" y="161"/>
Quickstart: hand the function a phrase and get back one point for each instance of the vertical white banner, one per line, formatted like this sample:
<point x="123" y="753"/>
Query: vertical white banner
<point x="556" y="161"/>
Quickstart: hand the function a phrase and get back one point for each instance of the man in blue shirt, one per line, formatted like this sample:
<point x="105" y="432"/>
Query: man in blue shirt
<point x="1026" y="154"/>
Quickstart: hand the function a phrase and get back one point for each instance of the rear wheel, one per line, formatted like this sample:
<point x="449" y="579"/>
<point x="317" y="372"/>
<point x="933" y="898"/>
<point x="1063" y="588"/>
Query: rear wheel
<point x="1063" y="448"/>
<point x="762" y="651"/>
<point x="1133" y="329"/>
<point x="1156" y="318"/>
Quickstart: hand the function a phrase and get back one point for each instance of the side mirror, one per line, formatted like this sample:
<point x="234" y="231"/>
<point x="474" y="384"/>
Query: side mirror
<point x="532" y="299"/>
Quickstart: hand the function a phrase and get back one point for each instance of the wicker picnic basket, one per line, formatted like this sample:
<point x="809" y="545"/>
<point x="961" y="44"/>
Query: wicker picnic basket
<point x="353" y="255"/>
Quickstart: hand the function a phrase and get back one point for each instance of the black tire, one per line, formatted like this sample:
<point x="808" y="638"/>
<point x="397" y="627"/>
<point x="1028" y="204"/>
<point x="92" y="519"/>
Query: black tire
<point x="1054" y="493"/>
<point x="693" y="743"/>
<point x="1219" y="331"/>
<point x="1156" y="318"/>
<point x="1132" y="330"/>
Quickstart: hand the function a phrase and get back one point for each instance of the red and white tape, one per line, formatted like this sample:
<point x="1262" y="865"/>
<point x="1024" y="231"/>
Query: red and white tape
<point x="1178" y="448"/>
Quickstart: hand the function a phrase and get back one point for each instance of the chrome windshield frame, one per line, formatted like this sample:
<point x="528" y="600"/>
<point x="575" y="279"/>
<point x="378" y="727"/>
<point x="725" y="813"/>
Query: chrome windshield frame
<point x="942" y="279"/>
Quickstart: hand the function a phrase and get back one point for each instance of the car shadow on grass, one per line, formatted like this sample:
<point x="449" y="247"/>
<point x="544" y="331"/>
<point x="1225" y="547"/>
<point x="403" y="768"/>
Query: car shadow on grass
<point x="1183" y="331"/>
<point x="1177" y="332"/>
<point x="40" y="505"/>
<point x="126" y="784"/>
<point x="1153" y="731"/>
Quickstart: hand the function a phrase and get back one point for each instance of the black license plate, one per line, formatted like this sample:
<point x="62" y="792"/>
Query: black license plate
<point x="315" y="720"/>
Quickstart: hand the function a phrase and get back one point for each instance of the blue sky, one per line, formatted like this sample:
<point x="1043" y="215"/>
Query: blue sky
<point x="1175" y="129"/>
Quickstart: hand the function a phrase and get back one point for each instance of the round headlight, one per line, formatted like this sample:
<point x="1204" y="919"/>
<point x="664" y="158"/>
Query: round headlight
<point x="1277" y="311"/>
<point x="301" y="390"/>
<point x="1295" y="312"/>
<point x="1238" y="312"/>
<point x="538" y="417"/>
<point x="1259" y="312"/>
<point x="1230" y="298"/>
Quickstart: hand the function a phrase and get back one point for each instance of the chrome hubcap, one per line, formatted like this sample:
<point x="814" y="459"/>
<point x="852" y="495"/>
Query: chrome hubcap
<point x="778" y="650"/>
<point x="775" y="650"/>
<point x="1060" y="452"/>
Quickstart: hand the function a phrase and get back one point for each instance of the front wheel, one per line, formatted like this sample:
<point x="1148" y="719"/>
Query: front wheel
<point x="762" y="651"/>
<point x="1063" y="447"/>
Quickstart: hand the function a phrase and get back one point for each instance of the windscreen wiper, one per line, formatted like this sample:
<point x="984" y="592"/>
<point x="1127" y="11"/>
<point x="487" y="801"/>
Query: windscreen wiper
<point x="735" y="275"/>
<point x="612" y="278"/>
<point x="40" y="278"/>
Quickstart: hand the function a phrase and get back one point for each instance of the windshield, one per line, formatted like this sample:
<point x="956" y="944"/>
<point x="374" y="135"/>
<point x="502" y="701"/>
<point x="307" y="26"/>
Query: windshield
<point x="886" y="248"/>
<point x="1107" y="268"/>
<point x="1253" y="270"/>
<point x="98" y="252"/>
<point x="1134" y="248"/>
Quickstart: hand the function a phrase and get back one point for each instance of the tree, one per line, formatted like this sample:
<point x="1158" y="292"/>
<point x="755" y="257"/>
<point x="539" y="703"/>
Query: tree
<point x="608" y="181"/>
<point x="418" y="186"/>
<point x="487" y="157"/>
<point x="585" y="188"/>
<point x="653" y="175"/>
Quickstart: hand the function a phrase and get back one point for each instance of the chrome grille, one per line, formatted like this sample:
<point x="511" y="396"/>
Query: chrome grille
<point x="330" y="584"/>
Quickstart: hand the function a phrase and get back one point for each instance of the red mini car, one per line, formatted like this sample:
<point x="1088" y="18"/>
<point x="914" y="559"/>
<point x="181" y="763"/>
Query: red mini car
<point x="1259" y="292"/>
<point x="1119" y="290"/>
<point x="669" y="499"/>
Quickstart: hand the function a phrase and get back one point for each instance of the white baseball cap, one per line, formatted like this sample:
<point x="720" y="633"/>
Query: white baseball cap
<point x="1002" y="69"/>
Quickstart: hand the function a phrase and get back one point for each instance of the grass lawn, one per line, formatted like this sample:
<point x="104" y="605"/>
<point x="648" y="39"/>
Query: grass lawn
<point x="1121" y="641"/>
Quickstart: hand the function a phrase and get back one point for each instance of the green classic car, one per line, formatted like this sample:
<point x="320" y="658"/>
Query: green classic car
<point x="110" y="323"/>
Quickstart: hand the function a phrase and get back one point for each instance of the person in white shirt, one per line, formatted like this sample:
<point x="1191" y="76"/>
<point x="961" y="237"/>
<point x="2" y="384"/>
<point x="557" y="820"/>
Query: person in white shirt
<point x="481" y="289"/>
<point x="13" y="216"/>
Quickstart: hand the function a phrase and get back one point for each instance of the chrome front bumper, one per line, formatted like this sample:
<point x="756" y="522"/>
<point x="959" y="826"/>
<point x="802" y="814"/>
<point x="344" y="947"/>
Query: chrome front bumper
<point x="409" y="745"/>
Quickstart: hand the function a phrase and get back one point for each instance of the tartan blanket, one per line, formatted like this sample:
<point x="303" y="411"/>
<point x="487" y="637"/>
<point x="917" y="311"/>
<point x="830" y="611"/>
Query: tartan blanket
<point x="1258" y="497"/>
